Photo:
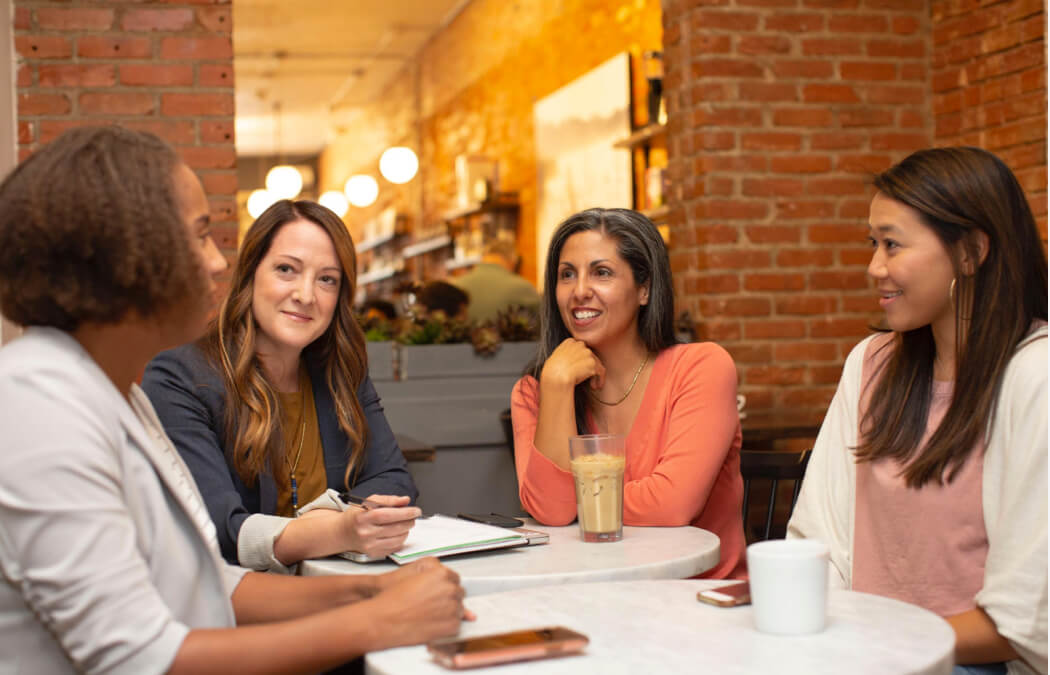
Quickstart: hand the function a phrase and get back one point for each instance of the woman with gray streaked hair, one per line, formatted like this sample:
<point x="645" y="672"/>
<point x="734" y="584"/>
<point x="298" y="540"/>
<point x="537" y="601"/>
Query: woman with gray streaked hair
<point x="609" y="362"/>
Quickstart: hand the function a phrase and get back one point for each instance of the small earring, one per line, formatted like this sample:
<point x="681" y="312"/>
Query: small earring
<point x="951" y="291"/>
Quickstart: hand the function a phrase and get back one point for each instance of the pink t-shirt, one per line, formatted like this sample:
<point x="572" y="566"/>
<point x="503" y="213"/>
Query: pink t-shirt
<point x="926" y="546"/>
<point x="683" y="454"/>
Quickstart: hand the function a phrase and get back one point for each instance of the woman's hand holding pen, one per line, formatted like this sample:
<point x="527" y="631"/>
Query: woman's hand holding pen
<point x="379" y="526"/>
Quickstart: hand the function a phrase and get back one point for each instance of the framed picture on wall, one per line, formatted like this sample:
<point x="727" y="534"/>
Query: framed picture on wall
<point x="577" y="166"/>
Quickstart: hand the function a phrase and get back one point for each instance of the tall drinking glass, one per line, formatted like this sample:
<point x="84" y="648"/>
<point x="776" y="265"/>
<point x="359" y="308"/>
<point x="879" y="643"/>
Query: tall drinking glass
<point x="597" y="462"/>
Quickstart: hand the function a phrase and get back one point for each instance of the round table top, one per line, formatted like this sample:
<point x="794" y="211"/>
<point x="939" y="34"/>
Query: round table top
<point x="643" y="553"/>
<point x="660" y="627"/>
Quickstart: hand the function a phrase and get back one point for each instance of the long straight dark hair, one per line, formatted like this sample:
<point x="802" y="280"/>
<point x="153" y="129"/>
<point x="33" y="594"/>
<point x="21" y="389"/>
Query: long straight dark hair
<point x="639" y="243"/>
<point x="958" y="193"/>
<point x="254" y="437"/>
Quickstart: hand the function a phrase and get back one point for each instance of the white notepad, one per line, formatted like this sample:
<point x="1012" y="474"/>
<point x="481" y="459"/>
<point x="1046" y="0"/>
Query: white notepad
<point x="442" y="535"/>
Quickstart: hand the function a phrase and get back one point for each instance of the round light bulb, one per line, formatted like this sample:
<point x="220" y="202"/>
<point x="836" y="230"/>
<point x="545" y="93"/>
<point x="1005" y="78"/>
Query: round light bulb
<point x="284" y="181"/>
<point x="335" y="201"/>
<point x="361" y="190"/>
<point x="398" y="164"/>
<point x="259" y="201"/>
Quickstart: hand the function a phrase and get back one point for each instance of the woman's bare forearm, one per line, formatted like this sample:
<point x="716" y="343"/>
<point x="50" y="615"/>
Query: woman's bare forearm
<point x="261" y="597"/>
<point x="305" y="645"/>
<point x="556" y="421"/>
<point x="305" y="538"/>
<point x="977" y="640"/>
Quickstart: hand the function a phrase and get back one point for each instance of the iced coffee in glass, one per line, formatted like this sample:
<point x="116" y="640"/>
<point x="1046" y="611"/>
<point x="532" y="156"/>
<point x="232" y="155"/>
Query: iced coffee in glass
<point x="597" y="462"/>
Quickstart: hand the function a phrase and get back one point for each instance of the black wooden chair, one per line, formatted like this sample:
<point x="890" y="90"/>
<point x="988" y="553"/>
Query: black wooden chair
<point x="774" y="467"/>
<point x="508" y="430"/>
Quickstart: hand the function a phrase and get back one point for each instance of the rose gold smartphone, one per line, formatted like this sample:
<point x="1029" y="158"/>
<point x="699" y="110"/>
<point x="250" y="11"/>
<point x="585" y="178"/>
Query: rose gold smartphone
<point x="727" y="596"/>
<point x="522" y="645"/>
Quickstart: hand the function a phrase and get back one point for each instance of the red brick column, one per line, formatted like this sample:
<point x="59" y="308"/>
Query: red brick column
<point x="989" y="85"/>
<point x="163" y="67"/>
<point x="779" y="110"/>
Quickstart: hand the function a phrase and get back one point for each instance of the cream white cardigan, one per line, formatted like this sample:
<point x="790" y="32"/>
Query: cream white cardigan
<point x="1014" y="491"/>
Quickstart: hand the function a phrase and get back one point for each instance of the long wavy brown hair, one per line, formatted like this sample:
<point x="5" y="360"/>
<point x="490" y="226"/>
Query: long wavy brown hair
<point x="254" y="437"/>
<point x="958" y="192"/>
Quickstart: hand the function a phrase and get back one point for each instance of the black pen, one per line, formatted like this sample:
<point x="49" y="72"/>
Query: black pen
<point x="366" y="504"/>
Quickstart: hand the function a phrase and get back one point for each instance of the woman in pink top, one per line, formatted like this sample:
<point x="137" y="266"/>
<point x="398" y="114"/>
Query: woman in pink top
<point x="928" y="478"/>
<point x="609" y="362"/>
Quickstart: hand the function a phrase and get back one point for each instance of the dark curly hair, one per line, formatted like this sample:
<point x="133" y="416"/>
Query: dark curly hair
<point x="90" y="230"/>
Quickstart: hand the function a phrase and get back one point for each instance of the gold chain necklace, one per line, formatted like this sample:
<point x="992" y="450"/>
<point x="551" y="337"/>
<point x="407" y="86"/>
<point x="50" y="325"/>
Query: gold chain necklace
<point x="629" y="389"/>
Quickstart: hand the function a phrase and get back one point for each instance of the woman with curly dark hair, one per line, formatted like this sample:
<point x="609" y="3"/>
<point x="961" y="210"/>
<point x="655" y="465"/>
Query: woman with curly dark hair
<point x="273" y="409"/>
<point x="108" y="560"/>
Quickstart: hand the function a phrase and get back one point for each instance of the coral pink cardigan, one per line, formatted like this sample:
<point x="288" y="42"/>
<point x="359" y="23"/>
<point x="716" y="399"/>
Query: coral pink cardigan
<point x="683" y="453"/>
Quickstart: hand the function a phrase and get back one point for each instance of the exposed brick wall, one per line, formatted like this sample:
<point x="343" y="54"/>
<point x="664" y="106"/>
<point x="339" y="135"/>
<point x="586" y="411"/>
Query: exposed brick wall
<point x="989" y="85"/>
<point x="163" y="67"/>
<point x="779" y="110"/>
<point x="478" y="80"/>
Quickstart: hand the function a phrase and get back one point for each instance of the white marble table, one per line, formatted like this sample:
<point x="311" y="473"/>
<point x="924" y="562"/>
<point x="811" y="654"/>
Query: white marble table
<point x="643" y="553"/>
<point x="659" y="627"/>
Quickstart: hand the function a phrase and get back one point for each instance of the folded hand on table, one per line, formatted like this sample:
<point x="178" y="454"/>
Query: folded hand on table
<point x="421" y="601"/>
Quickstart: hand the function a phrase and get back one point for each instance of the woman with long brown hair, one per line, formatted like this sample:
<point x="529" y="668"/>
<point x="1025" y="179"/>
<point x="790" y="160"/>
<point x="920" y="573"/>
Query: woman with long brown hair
<point x="273" y="409"/>
<point x="928" y="478"/>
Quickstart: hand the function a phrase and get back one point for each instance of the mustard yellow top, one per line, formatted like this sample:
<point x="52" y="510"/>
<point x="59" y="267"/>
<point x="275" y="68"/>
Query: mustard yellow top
<point x="301" y="428"/>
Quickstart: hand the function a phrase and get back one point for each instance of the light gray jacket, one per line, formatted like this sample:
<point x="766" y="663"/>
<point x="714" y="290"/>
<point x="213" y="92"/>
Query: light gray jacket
<point x="107" y="553"/>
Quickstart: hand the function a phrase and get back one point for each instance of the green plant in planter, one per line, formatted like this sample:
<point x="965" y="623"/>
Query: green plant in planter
<point x="514" y="324"/>
<point x="486" y="339"/>
<point x="431" y="328"/>
<point x="518" y="324"/>
<point x="376" y="328"/>
<point x="420" y="327"/>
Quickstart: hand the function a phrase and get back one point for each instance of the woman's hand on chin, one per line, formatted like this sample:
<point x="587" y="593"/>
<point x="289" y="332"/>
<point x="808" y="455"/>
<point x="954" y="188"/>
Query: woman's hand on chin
<point x="571" y="363"/>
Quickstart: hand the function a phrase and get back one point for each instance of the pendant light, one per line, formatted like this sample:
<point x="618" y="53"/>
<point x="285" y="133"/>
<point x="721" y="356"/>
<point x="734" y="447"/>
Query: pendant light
<point x="361" y="190"/>
<point x="398" y="164"/>
<point x="259" y="201"/>
<point x="282" y="181"/>
<point x="335" y="201"/>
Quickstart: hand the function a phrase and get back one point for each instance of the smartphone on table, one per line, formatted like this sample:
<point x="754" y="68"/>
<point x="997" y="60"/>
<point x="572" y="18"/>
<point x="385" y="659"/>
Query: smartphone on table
<point x="492" y="519"/>
<point x="521" y="645"/>
<point x="727" y="596"/>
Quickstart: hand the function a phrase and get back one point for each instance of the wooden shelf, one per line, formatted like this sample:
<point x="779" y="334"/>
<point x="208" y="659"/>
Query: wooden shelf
<point x="498" y="204"/>
<point x="641" y="136"/>
<point x="369" y="244"/>
<point x="425" y="246"/>
<point x="377" y="275"/>
<point x="454" y="264"/>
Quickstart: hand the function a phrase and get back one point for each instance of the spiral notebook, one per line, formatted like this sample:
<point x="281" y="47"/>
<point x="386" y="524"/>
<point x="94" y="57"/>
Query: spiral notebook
<point x="441" y="536"/>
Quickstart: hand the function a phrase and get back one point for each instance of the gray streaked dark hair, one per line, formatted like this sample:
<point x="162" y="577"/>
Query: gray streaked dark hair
<point x="639" y="243"/>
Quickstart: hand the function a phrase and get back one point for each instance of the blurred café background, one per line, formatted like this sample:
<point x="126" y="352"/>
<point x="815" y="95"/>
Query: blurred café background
<point x="746" y="129"/>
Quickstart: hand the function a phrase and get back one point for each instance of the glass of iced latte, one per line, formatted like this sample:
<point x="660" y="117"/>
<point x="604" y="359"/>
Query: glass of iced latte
<point x="597" y="462"/>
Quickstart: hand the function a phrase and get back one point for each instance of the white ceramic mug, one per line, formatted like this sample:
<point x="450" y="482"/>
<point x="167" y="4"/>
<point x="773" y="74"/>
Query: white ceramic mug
<point x="789" y="585"/>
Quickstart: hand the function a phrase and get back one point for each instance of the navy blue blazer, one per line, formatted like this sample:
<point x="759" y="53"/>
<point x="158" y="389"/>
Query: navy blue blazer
<point x="189" y="397"/>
